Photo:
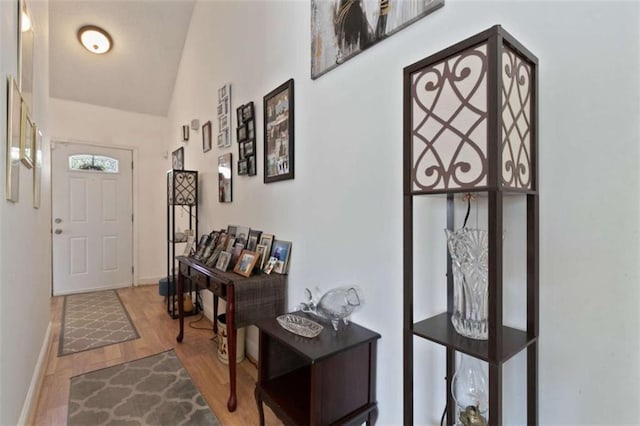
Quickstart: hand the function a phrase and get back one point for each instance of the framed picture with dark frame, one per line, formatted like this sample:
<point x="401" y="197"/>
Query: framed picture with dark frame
<point x="279" y="133"/>
<point x="177" y="159"/>
<point x="224" y="178"/>
<point x="246" y="138"/>
<point x="206" y="136"/>
<point x="241" y="133"/>
<point x="243" y="167"/>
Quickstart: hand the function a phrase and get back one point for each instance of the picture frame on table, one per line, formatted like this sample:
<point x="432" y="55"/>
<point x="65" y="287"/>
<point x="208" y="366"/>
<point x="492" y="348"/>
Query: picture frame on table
<point x="206" y="136"/>
<point x="177" y="159"/>
<point x="271" y="263"/>
<point x="201" y="247"/>
<point x="232" y="230"/>
<point x="246" y="263"/>
<point x="252" y="240"/>
<point x="211" y="260"/>
<point x="267" y="240"/>
<point x="237" y="251"/>
<point x="281" y="250"/>
<point x="279" y="133"/>
<point x="223" y="261"/>
<point x="230" y="242"/>
<point x="261" y="249"/>
<point x="208" y="251"/>
<point x="242" y="235"/>
<point x="14" y="127"/>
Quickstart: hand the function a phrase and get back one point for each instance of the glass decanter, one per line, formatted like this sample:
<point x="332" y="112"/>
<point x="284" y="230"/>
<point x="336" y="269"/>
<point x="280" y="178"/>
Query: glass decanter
<point x="471" y="392"/>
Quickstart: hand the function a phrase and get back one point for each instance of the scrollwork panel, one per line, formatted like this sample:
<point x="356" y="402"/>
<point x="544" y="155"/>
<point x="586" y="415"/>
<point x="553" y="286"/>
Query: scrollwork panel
<point x="516" y="120"/>
<point x="449" y="122"/>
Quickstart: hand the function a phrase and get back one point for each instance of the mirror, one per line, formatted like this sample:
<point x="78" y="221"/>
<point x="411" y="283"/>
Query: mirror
<point x="26" y="49"/>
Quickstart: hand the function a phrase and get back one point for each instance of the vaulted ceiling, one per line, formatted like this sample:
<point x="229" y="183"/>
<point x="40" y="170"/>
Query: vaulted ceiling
<point x="139" y="73"/>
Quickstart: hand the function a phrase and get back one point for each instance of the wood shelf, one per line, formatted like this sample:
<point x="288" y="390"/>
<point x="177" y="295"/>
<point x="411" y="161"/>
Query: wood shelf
<point x="291" y="390"/>
<point x="440" y="330"/>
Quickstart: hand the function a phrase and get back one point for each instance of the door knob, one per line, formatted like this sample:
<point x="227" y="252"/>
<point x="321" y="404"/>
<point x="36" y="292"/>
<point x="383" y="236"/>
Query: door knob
<point x="58" y="231"/>
<point x="58" y="220"/>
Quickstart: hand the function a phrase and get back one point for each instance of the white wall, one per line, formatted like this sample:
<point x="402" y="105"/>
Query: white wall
<point x="147" y="135"/>
<point x="25" y="253"/>
<point x="343" y="211"/>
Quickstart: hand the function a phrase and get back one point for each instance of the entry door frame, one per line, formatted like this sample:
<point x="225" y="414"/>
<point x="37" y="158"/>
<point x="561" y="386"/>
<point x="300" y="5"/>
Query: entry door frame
<point x="134" y="195"/>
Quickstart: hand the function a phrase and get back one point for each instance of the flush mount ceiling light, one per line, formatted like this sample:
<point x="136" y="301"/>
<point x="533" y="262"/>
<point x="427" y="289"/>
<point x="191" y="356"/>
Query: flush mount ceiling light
<point x="95" y="39"/>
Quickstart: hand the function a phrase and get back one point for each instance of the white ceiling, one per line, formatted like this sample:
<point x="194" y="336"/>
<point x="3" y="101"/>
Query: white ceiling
<point x="139" y="73"/>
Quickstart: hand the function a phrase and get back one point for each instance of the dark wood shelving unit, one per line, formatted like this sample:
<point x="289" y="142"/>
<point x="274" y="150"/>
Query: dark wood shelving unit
<point x="182" y="192"/>
<point x="493" y="79"/>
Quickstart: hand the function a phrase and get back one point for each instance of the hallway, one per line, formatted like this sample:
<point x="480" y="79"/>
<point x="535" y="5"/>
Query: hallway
<point x="157" y="333"/>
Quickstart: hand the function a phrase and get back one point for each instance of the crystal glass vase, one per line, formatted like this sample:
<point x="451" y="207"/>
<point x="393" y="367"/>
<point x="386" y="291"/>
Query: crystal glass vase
<point x="470" y="391"/>
<point x="469" y="252"/>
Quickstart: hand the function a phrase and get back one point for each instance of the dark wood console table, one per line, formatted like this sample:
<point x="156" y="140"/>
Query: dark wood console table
<point x="330" y="379"/>
<point x="248" y="300"/>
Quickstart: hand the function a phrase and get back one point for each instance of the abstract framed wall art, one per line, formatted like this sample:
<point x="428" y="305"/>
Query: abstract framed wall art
<point x="340" y="29"/>
<point x="278" y="133"/>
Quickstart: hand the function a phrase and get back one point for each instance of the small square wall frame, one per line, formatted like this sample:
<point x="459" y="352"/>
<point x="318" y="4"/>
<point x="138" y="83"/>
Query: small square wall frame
<point x="470" y="125"/>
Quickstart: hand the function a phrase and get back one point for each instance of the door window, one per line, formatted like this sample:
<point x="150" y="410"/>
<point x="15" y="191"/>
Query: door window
<point x="94" y="163"/>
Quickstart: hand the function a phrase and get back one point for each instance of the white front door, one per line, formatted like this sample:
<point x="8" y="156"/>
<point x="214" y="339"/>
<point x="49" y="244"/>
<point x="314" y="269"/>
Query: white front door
<point x="91" y="218"/>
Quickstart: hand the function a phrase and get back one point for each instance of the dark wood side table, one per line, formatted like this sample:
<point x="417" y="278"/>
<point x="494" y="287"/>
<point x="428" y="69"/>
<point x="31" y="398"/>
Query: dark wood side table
<point x="330" y="379"/>
<point x="248" y="300"/>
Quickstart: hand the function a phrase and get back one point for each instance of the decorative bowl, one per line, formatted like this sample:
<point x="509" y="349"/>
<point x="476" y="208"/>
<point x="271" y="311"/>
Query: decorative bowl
<point x="300" y="325"/>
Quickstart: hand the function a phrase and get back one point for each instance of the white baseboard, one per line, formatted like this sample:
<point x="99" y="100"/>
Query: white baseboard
<point x="251" y="347"/>
<point x="36" y="380"/>
<point x="148" y="280"/>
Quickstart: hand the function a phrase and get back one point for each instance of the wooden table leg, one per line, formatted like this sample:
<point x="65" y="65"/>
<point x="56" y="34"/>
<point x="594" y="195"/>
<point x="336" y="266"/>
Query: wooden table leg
<point x="180" y="291"/>
<point x="215" y="314"/>
<point x="258" y="396"/>
<point x="231" y="337"/>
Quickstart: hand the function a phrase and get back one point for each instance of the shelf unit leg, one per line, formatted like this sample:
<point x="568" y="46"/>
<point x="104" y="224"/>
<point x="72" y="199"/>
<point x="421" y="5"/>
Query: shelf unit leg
<point x="532" y="384"/>
<point x="495" y="394"/>
<point x="451" y="370"/>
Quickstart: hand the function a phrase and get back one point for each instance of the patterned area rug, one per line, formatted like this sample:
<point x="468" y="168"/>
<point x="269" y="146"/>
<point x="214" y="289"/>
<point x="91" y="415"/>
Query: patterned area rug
<point x="93" y="320"/>
<point x="156" y="390"/>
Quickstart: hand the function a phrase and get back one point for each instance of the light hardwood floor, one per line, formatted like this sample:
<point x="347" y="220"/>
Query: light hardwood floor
<point x="157" y="333"/>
